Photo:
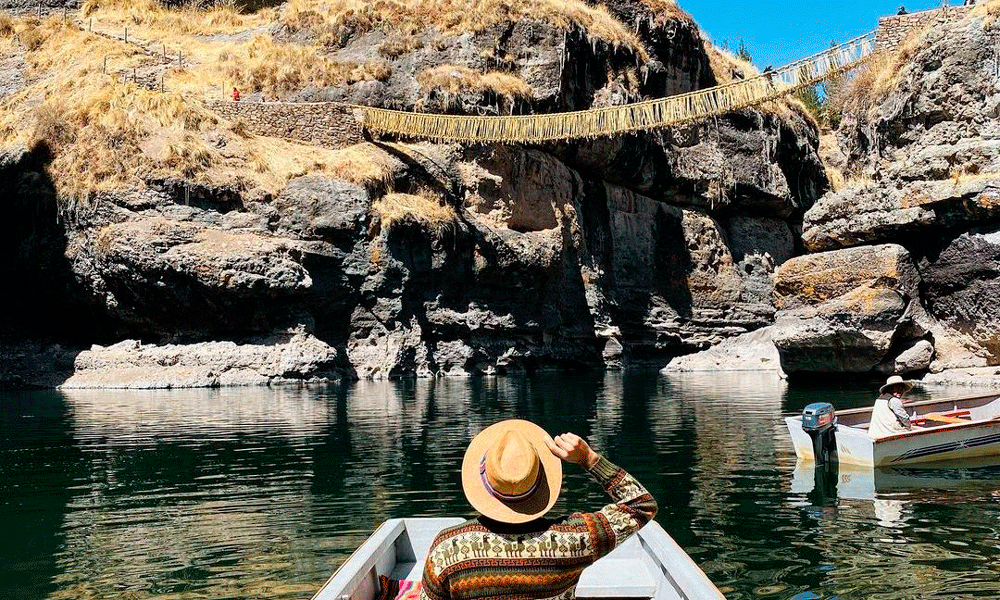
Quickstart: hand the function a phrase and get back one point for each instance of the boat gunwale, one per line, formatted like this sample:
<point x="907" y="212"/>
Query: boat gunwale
<point x="939" y="428"/>
<point x="868" y="409"/>
<point x="652" y="539"/>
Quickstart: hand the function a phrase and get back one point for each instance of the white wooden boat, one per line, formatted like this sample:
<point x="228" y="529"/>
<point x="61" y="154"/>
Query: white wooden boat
<point x="952" y="429"/>
<point x="648" y="565"/>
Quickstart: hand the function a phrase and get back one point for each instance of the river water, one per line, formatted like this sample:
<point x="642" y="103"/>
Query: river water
<point x="261" y="493"/>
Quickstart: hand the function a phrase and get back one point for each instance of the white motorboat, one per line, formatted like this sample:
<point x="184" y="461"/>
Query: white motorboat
<point x="952" y="429"/>
<point x="648" y="565"/>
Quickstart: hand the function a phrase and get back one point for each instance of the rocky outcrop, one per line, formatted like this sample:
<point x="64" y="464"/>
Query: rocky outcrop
<point x="455" y="260"/>
<point x="845" y="311"/>
<point x="962" y="287"/>
<point x="32" y="6"/>
<point x="923" y="164"/>
<point x="295" y="357"/>
<point x="753" y="351"/>
<point x="916" y="214"/>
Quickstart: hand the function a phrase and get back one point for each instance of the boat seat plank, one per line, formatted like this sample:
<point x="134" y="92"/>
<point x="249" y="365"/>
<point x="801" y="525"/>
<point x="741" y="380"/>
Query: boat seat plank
<point x="944" y="419"/>
<point x="616" y="578"/>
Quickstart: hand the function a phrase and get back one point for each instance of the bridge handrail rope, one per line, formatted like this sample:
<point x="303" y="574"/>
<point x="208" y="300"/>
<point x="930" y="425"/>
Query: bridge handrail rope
<point x="611" y="120"/>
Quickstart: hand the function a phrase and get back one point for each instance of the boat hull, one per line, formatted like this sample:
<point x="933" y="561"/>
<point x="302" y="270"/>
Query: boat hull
<point x="649" y="564"/>
<point x="978" y="435"/>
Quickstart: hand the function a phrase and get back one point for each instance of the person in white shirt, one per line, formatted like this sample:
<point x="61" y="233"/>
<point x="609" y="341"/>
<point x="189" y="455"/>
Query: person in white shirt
<point x="889" y="417"/>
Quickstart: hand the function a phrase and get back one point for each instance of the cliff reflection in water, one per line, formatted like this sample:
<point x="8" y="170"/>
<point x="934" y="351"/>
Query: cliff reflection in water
<point x="261" y="493"/>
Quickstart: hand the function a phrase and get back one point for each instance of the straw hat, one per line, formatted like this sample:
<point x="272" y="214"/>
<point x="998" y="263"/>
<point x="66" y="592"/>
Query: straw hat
<point x="509" y="474"/>
<point x="894" y="381"/>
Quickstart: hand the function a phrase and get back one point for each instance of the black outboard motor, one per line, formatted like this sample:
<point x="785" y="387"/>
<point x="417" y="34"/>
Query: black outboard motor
<point x="820" y="422"/>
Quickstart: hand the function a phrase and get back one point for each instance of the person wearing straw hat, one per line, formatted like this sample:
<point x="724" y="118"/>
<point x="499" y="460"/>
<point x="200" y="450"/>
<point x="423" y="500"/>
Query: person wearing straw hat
<point x="889" y="417"/>
<point x="512" y="475"/>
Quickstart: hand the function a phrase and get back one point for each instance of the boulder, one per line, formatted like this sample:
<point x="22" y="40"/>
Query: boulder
<point x="813" y="279"/>
<point x="841" y="311"/>
<point x="753" y="351"/>
<point x="850" y="334"/>
<point x="915" y="358"/>
<point x="912" y="214"/>
<point x="974" y="377"/>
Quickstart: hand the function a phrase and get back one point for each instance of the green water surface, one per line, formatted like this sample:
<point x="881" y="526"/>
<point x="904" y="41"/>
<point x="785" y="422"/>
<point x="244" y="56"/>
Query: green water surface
<point x="261" y="493"/>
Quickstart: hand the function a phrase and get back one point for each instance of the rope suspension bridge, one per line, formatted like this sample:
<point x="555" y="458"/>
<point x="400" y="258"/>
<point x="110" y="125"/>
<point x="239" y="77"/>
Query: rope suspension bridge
<point x="612" y="120"/>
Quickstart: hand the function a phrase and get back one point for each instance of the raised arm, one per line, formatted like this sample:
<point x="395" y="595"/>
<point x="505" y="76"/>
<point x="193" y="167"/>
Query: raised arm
<point x="633" y="505"/>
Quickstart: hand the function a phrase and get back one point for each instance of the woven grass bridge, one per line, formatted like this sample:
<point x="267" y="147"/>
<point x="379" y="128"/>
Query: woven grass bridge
<point x="650" y="114"/>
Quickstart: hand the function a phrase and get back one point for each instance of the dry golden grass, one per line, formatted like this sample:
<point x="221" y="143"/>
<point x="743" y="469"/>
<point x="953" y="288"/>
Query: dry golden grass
<point x="455" y="79"/>
<point x="92" y="124"/>
<point x="333" y="22"/>
<point x="104" y="134"/>
<point x="272" y="68"/>
<point x="787" y="106"/>
<point x="6" y="25"/>
<point x="835" y="177"/>
<point x="281" y="160"/>
<point x="726" y="66"/>
<point x="989" y="9"/>
<point x="151" y="20"/>
<point x="667" y="9"/>
<point x="871" y="83"/>
<point x="424" y="208"/>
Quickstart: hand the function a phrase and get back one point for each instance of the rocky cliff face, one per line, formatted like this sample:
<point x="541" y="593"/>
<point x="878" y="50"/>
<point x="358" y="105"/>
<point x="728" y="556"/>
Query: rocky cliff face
<point x="455" y="260"/>
<point x="925" y="177"/>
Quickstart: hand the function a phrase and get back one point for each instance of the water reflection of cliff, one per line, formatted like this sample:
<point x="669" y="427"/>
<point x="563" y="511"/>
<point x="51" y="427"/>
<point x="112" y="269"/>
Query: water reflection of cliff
<point x="208" y="492"/>
<point x="175" y="481"/>
<point x="732" y="420"/>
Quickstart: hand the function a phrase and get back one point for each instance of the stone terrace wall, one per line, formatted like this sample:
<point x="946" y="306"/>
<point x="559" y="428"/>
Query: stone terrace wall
<point x="326" y="124"/>
<point x="892" y="31"/>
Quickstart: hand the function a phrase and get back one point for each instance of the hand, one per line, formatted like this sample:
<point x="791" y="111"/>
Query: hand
<point x="572" y="449"/>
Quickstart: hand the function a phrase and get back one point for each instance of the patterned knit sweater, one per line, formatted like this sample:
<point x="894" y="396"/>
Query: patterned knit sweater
<point x="539" y="560"/>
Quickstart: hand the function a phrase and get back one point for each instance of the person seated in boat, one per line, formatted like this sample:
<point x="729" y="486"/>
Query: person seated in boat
<point x="889" y="416"/>
<point x="512" y="475"/>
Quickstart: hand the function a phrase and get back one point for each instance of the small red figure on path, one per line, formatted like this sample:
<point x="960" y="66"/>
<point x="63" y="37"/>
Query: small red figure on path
<point x="236" y="94"/>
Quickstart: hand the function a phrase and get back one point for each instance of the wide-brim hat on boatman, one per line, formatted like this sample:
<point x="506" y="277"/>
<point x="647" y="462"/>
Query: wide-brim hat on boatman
<point x="509" y="474"/>
<point x="894" y="382"/>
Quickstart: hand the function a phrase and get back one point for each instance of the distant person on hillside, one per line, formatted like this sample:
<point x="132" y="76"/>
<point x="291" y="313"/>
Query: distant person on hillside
<point x="968" y="2"/>
<point x="888" y="416"/>
<point x="901" y="11"/>
<point x="236" y="95"/>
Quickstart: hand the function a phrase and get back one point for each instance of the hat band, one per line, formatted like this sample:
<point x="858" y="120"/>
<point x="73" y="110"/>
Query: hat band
<point x="501" y="495"/>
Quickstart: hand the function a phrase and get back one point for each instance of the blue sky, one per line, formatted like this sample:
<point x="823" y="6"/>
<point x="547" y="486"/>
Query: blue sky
<point x="777" y="32"/>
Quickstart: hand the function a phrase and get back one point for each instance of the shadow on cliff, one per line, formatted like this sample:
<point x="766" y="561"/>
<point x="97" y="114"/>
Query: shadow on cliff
<point x="42" y="308"/>
<point x="646" y="264"/>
